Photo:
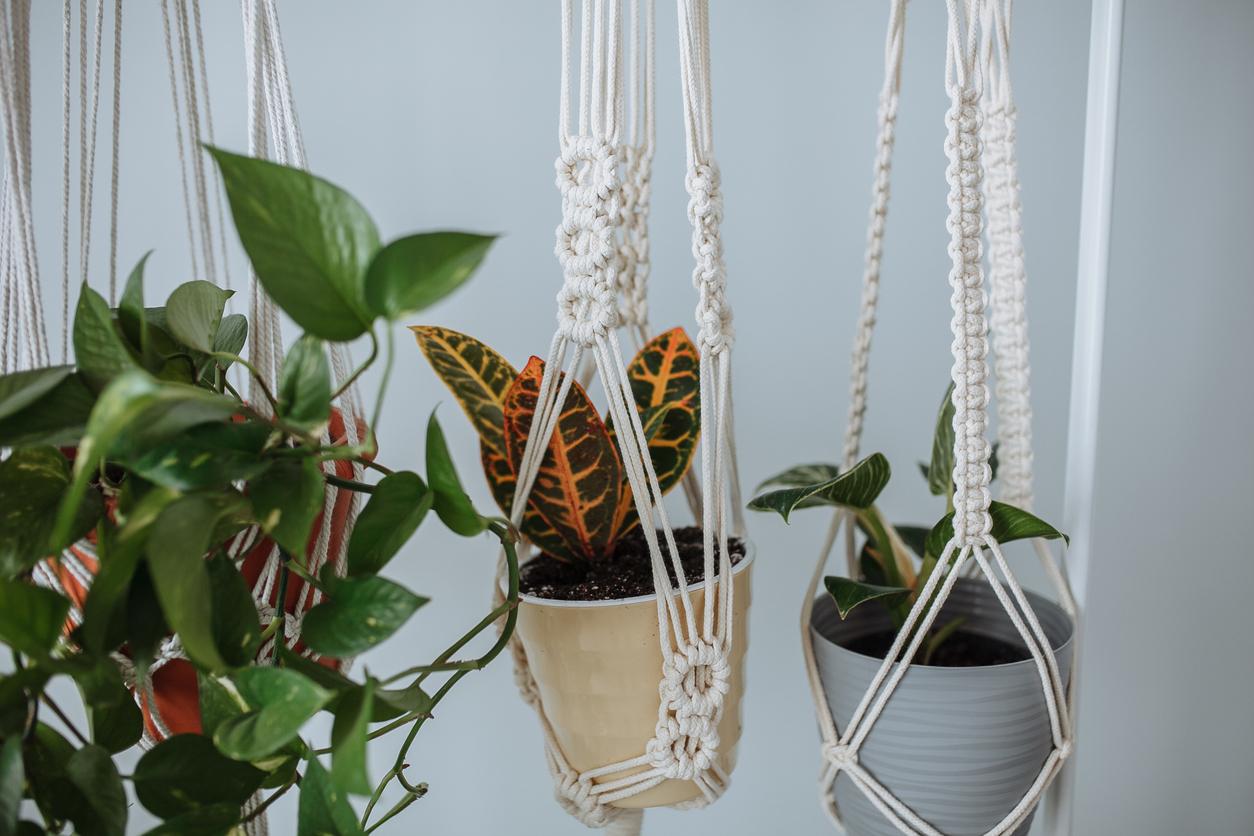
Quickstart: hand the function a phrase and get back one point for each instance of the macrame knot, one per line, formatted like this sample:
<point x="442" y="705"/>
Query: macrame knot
<point x="709" y="276"/>
<point x="575" y="796"/>
<point x="1064" y="751"/>
<point x="587" y="177"/>
<point x="839" y="755"/>
<point x="695" y="681"/>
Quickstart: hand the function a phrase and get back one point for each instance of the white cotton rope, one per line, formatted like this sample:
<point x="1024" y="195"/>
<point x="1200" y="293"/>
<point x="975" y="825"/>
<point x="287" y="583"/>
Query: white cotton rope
<point x="602" y="247"/>
<point x="973" y="67"/>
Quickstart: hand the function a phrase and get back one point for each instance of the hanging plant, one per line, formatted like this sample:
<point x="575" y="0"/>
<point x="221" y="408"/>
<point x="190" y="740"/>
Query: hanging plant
<point x="581" y="512"/>
<point x="145" y="456"/>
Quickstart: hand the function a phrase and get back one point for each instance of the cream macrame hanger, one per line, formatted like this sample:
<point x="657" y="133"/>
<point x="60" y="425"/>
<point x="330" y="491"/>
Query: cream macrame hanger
<point x="976" y="63"/>
<point x="685" y="743"/>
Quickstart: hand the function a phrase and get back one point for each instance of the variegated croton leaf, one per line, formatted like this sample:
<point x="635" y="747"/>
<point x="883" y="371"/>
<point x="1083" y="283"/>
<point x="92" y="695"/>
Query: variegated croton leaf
<point x="479" y="378"/>
<point x="666" y="383"/>
<point x="580" y="482"/>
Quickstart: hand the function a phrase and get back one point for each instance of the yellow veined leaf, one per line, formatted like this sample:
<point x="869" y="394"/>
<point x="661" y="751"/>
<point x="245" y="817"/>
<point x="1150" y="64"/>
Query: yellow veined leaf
<point x="476" y="375"/>
<point x="578" y="488"/>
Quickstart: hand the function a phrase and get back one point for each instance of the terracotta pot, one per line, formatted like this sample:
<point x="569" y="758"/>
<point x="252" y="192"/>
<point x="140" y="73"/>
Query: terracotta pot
<point x="958" y="746"/>
<point x="597" y="665"/>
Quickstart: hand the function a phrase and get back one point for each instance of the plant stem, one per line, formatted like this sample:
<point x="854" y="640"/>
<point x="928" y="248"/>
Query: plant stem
<point x="348" y="484"/>
<point x="300" y="572"/>
<point x="270" y="799"/>
<point x="410" y="798"/>
<point x="352" y="378"/>
<point x="376" y="795"/>
<point x="56" y="709"/>
<point x="383" y="384"/>
<point x="234" y="358"/>
<point x="280" y="609"/>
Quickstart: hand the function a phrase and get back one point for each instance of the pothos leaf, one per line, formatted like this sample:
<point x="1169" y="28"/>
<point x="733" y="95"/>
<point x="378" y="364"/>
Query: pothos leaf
<point x="450" y="501"/>
<point x="580" y="480"/>
<point x="32" y="482"/>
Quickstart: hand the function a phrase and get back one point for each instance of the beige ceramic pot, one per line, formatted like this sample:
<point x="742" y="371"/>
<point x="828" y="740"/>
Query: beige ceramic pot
<point x="597" y="665"/>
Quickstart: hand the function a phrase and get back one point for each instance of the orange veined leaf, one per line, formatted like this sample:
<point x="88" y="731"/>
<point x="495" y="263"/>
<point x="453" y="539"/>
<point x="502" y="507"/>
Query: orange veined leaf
<point x="578" y="488"/>
<point x="502" y="481"/>
<point x="666" y="383"/>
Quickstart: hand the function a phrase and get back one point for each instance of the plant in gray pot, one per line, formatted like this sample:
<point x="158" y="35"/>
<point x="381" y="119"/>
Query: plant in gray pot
<point x="972" y="730"/>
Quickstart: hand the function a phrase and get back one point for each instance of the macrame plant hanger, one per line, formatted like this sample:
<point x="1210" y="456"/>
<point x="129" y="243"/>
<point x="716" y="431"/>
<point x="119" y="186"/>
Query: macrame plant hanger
<point x="603" y="253"/>
<point x="981" y="116"/>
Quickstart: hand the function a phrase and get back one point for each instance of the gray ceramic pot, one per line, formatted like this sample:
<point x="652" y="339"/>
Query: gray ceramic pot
<point x="959" y="746"/>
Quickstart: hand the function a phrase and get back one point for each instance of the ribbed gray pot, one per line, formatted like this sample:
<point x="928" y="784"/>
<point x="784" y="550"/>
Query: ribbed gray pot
<point x="959" y="746"/>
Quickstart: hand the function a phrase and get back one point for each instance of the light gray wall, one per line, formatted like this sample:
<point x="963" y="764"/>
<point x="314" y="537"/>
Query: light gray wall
<point x="1168" y="745"/>
<point x="443" y="115"/>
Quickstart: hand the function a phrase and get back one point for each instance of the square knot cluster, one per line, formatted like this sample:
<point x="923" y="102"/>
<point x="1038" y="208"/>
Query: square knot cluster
<point x="587" y="177"/>
<point x="705" y="211"/>
<point x="576" y="797"/>
<point x="694" y="684"/>
<point x="839" y="755"/>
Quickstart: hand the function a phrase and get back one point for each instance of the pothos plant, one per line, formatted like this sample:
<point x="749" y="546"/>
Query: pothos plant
<point x="146" y="447"/>
<point x="894" y="561"/>
<point x="581" y="504"/>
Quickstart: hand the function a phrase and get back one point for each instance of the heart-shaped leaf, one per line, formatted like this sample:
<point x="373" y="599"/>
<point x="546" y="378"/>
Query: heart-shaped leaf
<point x="176" y="559"/>
<point x="131" y="309"/>
<point x="185" y="773"/>
<point x="236" y="632"/>
<point x="392" y="514"/>
<point x="208" y="456"/>
<point x="137" y="407"/>
<point x="194" y="312"/>
<point x="1009" y="524"/>
<point x="115" y="720"/>
<point x="848" y="594"/>
<point x="12" y="784"/>
<point x="99" y="348"/>
<point x="577" y="490"/>
<point x="286" y="500"/>
<point x="92" y="772"/>
<point x="857" y="488"/>
<point x="412" y="273"/>
<point x="209" y="820"/>
<point x="31" y="617"/>
<point x="231" y="335"/>
<point x="281" y="699"/>
<point x="348" y="740"/>
<point x="323" y="809"/>
<point x="309" y="242"/>
<point x="450" y="500"/>
<point x="358" y="614"/>
<point x="304" y="391"/>
<point x="32" y="482"/>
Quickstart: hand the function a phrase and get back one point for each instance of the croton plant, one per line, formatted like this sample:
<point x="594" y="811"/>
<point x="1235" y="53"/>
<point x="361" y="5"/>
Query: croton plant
<point x="581" y="504"/>
<point x="145" y="448"/>
<point x="895" y="561"/>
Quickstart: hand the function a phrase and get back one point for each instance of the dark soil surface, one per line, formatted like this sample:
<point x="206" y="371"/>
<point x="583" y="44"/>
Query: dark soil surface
<point x="625" y="575"/>
<point x="961" y="650"/>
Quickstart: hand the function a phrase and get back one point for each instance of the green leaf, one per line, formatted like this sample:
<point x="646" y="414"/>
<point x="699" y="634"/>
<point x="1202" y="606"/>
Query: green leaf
<point x="217" y="702"/>
<point x="392" y="514"/>
<point x="176" y="558"/>
<point x="940" y="473"/>
<point x="131" y="309"/>
<point x="451" y="502"/>
<point x="389" y="703"/>
<point x="801" y="476"/>
<point x="1009" y="524"/>
<point x="231" y="335"/>
<point x="304" y="391"/>
<point x="91" y="770"/>
<point x="476" y="375"/>
<point x="286" y="499"/>
<point x="44" y="406"/>
<point x="348" y="740"/>
<point x="309" y="242"/>
<point x="31" y="617"/>
<point x="358" y="614"/>
<point x="208" y="456"/>
<point x="848" y="594"/>
<point x="194" y="311"/>
<point x="236" y="631"/>
<point x="858" y="488"/>
<point x="185" y="773"/>
<point x="32" y="482"/>
<point x="146" y="627"/>
<point x="140" y="410"/>
<point x="99" y="349"/>
<point x="12" y="784"/>
<point x="412" y="273"/>
<point x="281" y="699"/>
<point x="210" y="820"/>
<point x="120" y="551"/>
<point x="115" y="720"/>
<point x="324" y="809"/>
<point x="915" y="538"/>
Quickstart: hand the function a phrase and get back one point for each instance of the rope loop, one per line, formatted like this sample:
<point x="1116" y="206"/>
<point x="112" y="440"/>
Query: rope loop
<point x="587" y="247"/>
<point x="709" y="276"/>
<point x="577" y="798"/>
